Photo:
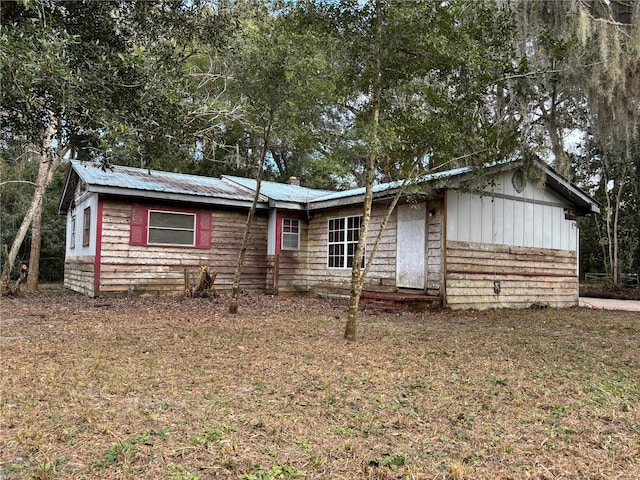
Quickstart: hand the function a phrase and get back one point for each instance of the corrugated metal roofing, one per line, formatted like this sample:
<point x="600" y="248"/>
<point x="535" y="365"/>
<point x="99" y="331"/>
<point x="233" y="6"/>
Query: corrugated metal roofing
<point x="239" y="191"/>
<point x="280" y="192"/>
<point x="157" y="181"/>
<point x="382" y="187"/>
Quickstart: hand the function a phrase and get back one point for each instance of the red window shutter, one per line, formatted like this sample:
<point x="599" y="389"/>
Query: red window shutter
<point x="138" y="224"/>
<point x="204" y="230"/>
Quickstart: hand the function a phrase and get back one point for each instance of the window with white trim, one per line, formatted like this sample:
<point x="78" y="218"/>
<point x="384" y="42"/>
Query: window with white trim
<point x="86" y="227"/>
<point x="156" y="225"/>
<point x="171" y="228"/>
<point x="344" y="234"/>
<point x="290" y="234"/>
<point x="72" y="236"/>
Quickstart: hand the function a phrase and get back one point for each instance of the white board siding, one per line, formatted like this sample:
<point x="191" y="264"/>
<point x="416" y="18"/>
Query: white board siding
<point x="79" y="250"/>
<point x="533" y="218"/>
<point x="527" y="276"/>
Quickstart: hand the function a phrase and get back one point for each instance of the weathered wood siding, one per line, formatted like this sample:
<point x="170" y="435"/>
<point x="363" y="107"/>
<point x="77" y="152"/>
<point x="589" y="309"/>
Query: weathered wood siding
<point x="526" y="276"/>
<point x="322" y="279"/>
<point x="435" y="238"/>
<point x="160" y="269"/>
<point x="78" y="274"/>
<point x="292" y="264"/>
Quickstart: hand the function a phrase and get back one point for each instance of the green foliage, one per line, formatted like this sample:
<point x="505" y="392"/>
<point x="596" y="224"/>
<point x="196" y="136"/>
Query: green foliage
<point x="277" y="471"/>
<point x="123" y="451"/>
<point x="439" y="63"/>
<point x="392" y="462"/>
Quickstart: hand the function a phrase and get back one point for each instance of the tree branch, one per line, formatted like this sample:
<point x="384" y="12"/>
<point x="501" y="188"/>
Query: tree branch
<point x="2" y="184"/>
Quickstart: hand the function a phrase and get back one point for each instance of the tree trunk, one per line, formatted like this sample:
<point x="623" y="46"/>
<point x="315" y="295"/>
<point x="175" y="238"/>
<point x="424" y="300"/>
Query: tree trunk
<point x="616" y="273"/>
<point x="48" y="164"/>
<point x="561" y="161"/>
<point x="357" y="279"/>
<point x="235" y="289"/>
<point x="36" y="247"/>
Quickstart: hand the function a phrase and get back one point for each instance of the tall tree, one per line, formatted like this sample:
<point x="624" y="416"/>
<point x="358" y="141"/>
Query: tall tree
<point x="277" y="74"/>
<point x="93" y="80"/>
<point x="418" y="82"/>
<point x="611" y="33"/>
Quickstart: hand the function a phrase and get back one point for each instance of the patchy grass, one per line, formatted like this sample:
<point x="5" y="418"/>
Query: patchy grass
<point x="178" y="389"/>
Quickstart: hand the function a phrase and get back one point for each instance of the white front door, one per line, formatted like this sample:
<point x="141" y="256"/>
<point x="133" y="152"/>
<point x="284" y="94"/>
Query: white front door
<point x="410" y="246"/>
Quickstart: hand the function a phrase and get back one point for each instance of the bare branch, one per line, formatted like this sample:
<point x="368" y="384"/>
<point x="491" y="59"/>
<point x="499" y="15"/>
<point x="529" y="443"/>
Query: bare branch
<point x="2" y="184"/>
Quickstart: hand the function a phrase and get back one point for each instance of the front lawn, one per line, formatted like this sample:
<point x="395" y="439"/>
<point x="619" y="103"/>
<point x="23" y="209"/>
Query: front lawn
<point x="178" y="389"/>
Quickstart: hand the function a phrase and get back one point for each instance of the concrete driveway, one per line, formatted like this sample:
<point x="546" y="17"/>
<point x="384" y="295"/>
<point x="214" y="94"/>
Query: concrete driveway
<point x="610" y="304"/>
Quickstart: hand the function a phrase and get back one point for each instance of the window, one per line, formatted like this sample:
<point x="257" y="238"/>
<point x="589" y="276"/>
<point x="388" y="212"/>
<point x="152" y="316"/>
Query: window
<point x="290" y="234"/>
<point x="86" y="227"/>
<point x="155" y="225"/>
<point x="344" y="234"/>
<point x="171" y="228"/>
<point x="72" y="236"/>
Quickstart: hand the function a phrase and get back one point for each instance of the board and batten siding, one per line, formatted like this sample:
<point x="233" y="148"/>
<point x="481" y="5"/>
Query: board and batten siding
<point x="533" y="218"/>
<point x="79" y="264"/>
<point x="381" y="277"/>
<point x="160" y="269"/>
<point x="509" y="249"/>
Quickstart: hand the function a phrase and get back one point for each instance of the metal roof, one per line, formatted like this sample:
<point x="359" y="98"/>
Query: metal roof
<point x="140" y="179"/>
<point x="389" y="186"/>
<point x="239" y="191"/>
<point x="280" y="192"/>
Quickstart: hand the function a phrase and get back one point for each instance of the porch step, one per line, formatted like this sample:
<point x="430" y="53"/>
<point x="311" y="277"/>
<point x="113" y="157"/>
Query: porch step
<point x="400" y="301"/>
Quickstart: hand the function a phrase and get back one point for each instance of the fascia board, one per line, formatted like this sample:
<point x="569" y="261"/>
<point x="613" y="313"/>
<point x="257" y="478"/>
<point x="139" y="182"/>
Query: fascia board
<point x="204" y="200"/>
<point x="65" y="199"/>
<point x="287" y="205"/>
<point x="571" y="192"/>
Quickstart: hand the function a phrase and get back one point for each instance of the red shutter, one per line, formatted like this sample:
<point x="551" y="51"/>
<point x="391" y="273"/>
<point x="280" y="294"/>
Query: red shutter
<point x="204" y="229"/>
<point x="138" y="224"/>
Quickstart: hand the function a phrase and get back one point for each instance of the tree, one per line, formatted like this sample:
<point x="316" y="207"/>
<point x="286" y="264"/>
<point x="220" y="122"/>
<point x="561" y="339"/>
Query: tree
<point x="97" y="80"/>
<point x="418" y="78"/>
<point x="275" y="73"/>
<point x="611" y="33"/>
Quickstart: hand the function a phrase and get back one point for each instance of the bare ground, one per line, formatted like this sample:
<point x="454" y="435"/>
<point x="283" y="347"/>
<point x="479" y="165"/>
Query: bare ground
<point x="178" y="389"/>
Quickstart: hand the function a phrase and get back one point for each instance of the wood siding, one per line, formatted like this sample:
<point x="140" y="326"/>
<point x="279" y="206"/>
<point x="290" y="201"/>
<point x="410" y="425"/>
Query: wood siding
<point x="527" y="276"/>
<point x="322" y="279"/>
<point x="78" y="274"/>
<point x="435" y="235"/>
<point x="160" y="269"/>
<point x="291" y="267"/>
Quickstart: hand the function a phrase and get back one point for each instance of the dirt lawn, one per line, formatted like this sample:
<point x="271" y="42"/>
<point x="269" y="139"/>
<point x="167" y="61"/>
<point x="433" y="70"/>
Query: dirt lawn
<point x="178" y="389"/>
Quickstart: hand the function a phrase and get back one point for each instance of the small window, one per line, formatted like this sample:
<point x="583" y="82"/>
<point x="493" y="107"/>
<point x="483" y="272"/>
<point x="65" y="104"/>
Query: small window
<point x="172" y="228"/>
<point x="86" y="227"/>
<point x="72" y="236"/>
<point x="344" y="234"/>
<point x="290" y="234"/>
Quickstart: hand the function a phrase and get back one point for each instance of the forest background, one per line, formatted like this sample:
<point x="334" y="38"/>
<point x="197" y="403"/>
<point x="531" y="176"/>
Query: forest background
<point x="338" y="94"/>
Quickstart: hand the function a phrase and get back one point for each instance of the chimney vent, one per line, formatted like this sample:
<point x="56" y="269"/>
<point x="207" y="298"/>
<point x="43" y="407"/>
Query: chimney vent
<point x="294" y="181"/>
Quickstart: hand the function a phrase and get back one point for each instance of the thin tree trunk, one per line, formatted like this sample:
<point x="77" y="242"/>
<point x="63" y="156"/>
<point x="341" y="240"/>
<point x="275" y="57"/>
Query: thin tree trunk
<point x="49" y="163"/>
<point x="357" y="280"/>
<point x="36" y="247"/>
<point x="561" y="161"/>
<point x="617" y="274"/>
<point x="235" y="289"/>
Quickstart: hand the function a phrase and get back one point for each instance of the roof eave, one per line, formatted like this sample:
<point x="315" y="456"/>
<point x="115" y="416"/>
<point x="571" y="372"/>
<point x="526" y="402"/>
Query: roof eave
<point x="556" y="182"/>
<point x="177" y="197"/>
